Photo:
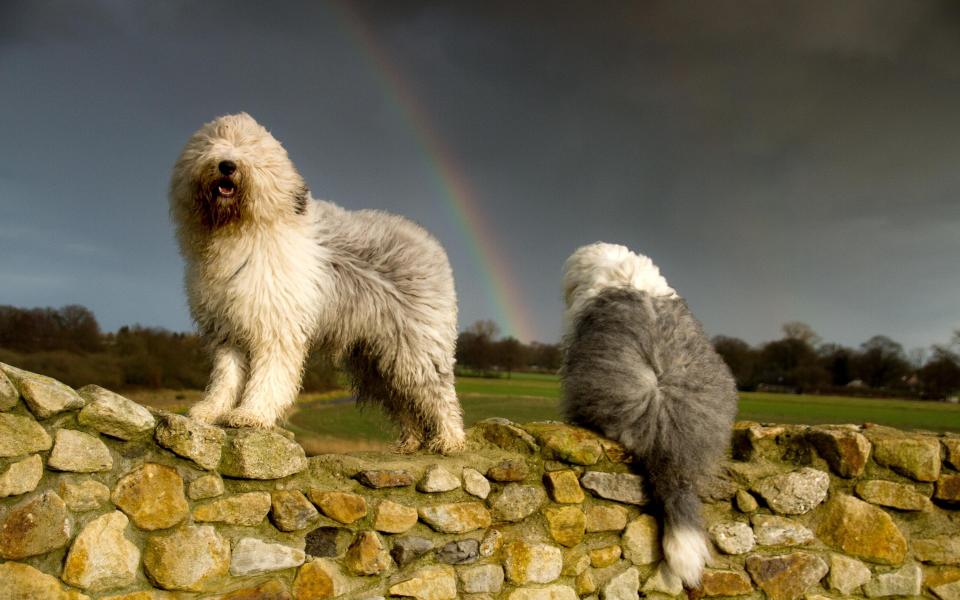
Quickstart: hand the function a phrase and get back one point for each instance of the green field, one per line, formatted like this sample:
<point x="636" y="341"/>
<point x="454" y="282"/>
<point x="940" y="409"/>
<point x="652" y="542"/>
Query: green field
<point x="326" y="424"/>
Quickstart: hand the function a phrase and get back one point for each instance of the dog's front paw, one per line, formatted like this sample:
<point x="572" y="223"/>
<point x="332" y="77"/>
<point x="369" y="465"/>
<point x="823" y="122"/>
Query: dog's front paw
<point x="407" y="445"/>
<point x="241" y="417"/>
<point x="205" y="412"/>
<point x="450" y="444"/>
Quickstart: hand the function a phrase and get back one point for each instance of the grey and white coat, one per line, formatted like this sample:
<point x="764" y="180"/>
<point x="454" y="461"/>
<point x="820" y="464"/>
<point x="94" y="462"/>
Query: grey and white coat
<point x="638" y="367"/>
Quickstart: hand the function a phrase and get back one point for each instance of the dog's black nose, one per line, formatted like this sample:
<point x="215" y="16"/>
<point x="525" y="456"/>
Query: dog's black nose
<point x="227" y="167"/>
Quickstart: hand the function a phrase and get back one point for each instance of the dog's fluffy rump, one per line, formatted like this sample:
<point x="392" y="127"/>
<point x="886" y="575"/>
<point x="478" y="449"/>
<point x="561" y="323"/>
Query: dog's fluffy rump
<point x="271" y="271"/>
<point x="639" y="368"/>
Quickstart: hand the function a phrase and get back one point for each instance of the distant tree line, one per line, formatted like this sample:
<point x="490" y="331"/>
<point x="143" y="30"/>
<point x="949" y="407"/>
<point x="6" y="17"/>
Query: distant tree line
<point x="67" y="344"/>
<point x="799" y="362"/>
<point x="480" y="350"/>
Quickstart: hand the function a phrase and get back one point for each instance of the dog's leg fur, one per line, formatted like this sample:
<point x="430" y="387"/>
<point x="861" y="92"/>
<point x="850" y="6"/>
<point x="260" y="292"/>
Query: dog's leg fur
<point x="422" y="380"/>
<point x="226" y="383"/>
<point x="438" y="401"/>
<point x="275" y="373"/>
<point x="371" y="387"/>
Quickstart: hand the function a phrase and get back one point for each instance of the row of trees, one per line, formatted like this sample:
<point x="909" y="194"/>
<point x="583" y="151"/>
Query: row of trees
<point x="67" y="344"/>
<point x="799" y="361"/>
<point x="479" y="349"/>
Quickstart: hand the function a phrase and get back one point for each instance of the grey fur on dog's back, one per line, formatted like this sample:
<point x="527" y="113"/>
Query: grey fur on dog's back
<point x="641" y="370"/>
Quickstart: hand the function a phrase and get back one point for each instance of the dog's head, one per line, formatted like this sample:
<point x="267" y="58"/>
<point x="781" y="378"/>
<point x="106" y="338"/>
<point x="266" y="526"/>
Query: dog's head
<point x="232" y="170"/>
<point x="596" y="267"/>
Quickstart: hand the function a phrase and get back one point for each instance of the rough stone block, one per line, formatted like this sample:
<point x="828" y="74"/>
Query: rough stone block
<point x="564" y="487"/>
<point x="733" y="537"/>
<point x="532" y="563"/>
<point x="914" y="457"/>
<point x="482" y="579"/>
<point x="620" y="487"/>
<point x="861" y="530"/>
<point x="291" y="511"/>
<point x="252" y="556"/>
<point x="35" y="526"/>
<point x="367" y="555"/>
<point x="247" y="509"/>
<point x="429" y="583"/>
<point x="459" y="517"/>
<point x="189" y="559"/>
<point x="21" y="477"/>
<point x="344" y="507"/>
<point x="846" y="451"/>
<point x="788" y="576"/>
<point x="566" y="524"/>
<point x="81" y="496"/>
<point x="475" y="484"/>
<point x="517" y="502"/>
<point x="101" y="558"/>
<point x="508" y="470"/>
<point x="437" y="479"/>
<point x="794" y="493"/>
<point x="261" y="454"/>
<point x="20" y="435"/>
<point x="894" y="495"/>
<point x="200" y="442"/>
<point x="23" y="582"/>
<point x="44" y="396"/>
<point x="394" y="518"/>
<point x="601" y="517"/>
<point x="114" y="415"/>
<point x="641" y="540"/>
<point x="772" y="530"/>
<point x="79" y="452"/>
<point x="152" y="496"/>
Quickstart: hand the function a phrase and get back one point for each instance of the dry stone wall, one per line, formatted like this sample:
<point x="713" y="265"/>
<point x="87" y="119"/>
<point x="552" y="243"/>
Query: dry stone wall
<point x="102" y="498"/>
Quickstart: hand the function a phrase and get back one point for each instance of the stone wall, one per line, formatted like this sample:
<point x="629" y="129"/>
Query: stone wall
<point x="100" y="497"/>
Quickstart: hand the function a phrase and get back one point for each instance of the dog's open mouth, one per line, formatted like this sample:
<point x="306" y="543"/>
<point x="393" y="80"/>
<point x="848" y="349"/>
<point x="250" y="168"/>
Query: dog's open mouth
<point x="226" y="188"/>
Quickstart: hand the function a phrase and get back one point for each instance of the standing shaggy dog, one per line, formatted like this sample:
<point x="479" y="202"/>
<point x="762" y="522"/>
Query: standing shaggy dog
<point x="639" y="368"/>
<point x="271" y="271"/>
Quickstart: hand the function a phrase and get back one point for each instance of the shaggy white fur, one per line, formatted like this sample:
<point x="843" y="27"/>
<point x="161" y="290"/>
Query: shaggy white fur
<point x="271" y="271"/>
<point x="600" y="266"/>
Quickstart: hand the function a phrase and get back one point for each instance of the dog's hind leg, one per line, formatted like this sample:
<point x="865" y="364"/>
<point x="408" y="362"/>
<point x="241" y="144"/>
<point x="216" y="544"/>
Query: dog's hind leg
<point x="437" y="404"/>
<point x="226" y="382"/>
<point x="411" y="436"/>
<point x="372" y="388"/>
<point x="427" y="401"/>
<point x="276" y="370"/>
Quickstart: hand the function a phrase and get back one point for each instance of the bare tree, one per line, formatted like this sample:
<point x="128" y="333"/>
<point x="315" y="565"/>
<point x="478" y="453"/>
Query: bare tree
<point x="798" y="330"/>
<point x="484" y="328"/>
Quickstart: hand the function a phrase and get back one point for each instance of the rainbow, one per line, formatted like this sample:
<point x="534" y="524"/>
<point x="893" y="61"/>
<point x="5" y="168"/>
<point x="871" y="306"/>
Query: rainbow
<point x="502" y="288"/>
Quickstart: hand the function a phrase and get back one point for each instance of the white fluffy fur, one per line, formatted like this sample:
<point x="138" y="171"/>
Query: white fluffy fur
<point x="270" y="271"/>
<point x="599" y="266"/>
<point x="686" y="552"/>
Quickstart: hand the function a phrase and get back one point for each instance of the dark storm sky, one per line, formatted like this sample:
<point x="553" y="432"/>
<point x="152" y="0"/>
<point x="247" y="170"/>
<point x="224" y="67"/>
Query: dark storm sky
<point x="779" y="160"/>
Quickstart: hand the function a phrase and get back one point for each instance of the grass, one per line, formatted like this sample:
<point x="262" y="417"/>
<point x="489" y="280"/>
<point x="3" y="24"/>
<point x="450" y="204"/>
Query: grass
<point x="800" y="408"/>
<point x="330" y="422"/>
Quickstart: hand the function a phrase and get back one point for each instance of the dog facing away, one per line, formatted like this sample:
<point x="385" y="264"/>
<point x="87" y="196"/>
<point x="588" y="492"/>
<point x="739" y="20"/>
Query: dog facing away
<point x="270" y="272"/>
<point x="638" y="367"/>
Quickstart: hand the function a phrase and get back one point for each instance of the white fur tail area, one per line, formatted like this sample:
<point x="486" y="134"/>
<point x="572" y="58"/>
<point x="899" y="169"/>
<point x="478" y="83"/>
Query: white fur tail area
<point x="685" y="549"/>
